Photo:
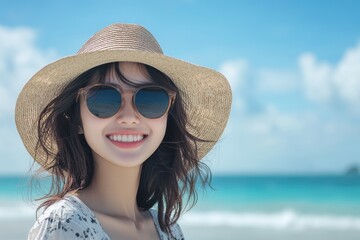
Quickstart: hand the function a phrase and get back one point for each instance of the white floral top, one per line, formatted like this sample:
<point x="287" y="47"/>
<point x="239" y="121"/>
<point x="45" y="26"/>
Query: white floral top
<point x="70" y="218"/>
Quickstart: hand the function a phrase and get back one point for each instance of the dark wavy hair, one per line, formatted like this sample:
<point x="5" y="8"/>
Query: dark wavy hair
<point x="169" y="177"/>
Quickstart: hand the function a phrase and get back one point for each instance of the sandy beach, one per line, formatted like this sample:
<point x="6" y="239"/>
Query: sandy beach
<point x="17" y="230"/>
<point x="224" y="233"/>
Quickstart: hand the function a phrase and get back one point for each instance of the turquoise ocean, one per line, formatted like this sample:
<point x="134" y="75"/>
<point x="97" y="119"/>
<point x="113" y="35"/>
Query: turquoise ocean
<point x="324" y="205"/>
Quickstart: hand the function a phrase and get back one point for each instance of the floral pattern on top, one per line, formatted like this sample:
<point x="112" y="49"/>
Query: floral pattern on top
<point x="70" y="218"/>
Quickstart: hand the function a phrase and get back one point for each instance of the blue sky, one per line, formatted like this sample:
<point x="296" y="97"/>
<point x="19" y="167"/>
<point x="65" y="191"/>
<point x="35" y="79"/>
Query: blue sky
<point x="294" y="67"/>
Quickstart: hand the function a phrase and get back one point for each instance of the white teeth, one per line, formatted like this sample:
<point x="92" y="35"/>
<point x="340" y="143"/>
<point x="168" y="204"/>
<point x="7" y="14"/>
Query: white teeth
<point x="126" y="138"/>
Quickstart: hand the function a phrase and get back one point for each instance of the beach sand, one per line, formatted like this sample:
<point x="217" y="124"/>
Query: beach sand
<point x="225" y="233"/>
<point x="17" y="229"/>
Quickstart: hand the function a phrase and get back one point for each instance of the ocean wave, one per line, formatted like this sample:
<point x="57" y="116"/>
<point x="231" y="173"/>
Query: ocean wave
<point x="16" y="211"/>
<point x="283" y="220"/>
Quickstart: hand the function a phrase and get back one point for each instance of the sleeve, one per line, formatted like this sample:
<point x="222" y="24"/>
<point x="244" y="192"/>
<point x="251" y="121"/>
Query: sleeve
<point x="59" y="226"/>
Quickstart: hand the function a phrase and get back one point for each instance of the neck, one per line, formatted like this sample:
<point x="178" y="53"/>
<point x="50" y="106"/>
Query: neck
<point x="113" y="190"/>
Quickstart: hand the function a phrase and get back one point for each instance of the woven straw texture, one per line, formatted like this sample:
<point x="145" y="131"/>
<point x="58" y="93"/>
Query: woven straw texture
<point x="206" y="93"/>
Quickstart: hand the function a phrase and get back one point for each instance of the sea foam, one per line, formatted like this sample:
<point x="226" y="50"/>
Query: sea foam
<point x="283" y="220"/>
<point x="16" y="211"/>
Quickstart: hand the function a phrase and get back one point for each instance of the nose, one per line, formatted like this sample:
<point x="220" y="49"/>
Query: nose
<point x="127" y="114"/>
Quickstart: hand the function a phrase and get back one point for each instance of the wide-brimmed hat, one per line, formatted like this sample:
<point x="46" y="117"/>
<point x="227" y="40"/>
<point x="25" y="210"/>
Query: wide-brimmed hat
<point x="206" y="93"/>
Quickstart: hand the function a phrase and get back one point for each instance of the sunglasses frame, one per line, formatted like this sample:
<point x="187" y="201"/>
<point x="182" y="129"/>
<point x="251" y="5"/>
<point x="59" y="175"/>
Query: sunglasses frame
<point x="84" y="91"/>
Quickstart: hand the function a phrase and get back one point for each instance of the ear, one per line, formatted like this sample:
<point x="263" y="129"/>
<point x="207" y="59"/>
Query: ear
<point x="80" y="130"/>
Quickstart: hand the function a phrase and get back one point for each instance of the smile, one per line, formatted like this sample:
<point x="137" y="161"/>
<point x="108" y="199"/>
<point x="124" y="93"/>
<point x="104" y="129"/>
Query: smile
<point x="126" y="138"/>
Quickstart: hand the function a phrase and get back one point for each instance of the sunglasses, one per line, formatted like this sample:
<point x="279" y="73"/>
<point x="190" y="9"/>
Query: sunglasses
<point x="105" y="100"/>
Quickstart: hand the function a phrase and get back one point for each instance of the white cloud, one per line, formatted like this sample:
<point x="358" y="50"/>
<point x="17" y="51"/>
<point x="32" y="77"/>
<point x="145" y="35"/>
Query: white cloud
<point x="280" y="141"/>
<point x="269" y="128"/>
<point x="272" y="121"/>
<point x="347" y="77"/>
<point x="286" y="132"/>
<point x="317" y="78"/>
<point x="235" y="71"/>
<point x="20" y="58"/>
<point x="277" y="81"/>
<point x="5" y="100"/>
<point x="326" y="83"/>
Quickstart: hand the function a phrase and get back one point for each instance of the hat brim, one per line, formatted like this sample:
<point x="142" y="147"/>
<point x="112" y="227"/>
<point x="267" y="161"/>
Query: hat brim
<point x="206" y="93"/>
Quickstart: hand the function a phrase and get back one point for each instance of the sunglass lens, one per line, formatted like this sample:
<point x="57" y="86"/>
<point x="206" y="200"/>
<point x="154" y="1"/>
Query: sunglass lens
<point x="152" y="102"/>
<point x="103" y="101"/>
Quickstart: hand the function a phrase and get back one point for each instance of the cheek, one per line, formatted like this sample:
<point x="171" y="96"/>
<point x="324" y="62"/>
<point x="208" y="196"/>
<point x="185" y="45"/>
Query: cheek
<point x="160" y="126"/>
<point x="88" y="123"/>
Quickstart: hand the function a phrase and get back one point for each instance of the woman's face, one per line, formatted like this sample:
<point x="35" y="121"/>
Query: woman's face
<point x="126" y="139"/>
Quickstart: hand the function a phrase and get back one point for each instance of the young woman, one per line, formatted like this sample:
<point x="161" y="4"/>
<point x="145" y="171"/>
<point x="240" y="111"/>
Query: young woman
<point x="121" y="128"/>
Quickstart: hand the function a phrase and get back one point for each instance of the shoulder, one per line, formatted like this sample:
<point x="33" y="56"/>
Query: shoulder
<point x="176" y="232"/>
<point x="66" y="219"/>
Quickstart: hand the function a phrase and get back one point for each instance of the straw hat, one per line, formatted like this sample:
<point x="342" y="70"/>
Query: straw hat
<point x="207" y="93"/>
